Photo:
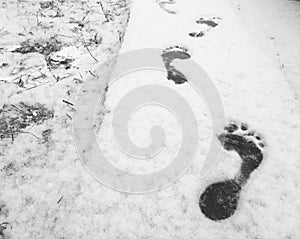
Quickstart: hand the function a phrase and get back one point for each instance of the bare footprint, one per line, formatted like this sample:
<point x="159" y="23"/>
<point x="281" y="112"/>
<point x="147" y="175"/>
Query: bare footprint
<point x="168" y="56"/>
<point x="247" y="143"/>
<point x="206" y="24"/>
<point x="220" y="200"/>
<point x="165" y="6"/>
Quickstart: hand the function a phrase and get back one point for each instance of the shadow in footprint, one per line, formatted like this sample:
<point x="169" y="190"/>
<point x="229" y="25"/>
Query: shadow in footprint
<point x="220" y="200"/>
<point x="168" y="56"/>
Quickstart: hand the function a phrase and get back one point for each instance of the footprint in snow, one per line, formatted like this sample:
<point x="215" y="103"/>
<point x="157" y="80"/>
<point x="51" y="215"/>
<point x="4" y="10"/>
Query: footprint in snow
<point x="171" y="54"/>
<point x="220" y="200"/>
<point x="165" y="5"/>
<point x="206" y="24"/>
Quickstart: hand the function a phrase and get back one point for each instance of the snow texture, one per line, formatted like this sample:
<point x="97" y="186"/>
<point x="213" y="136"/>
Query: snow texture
<point x="248" y="48"/>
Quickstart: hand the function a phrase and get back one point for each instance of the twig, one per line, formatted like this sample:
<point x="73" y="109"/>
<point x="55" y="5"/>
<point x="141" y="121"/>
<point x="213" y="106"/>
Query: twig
<point x="60" y="199"/>
<point x="25" y="132"/>
<point x="19" y="109"/>
<point x="37" y="19"/>
<point x="67" y="102"/>
<point x="69" y="116"/>
<point x="91" y="54"/>
<point x="32" y="87"/>
<point x="104" y="13"/>
<point x="87" y="13"/>
<point x="63" y="35"/>
<point x="92" y="73"/>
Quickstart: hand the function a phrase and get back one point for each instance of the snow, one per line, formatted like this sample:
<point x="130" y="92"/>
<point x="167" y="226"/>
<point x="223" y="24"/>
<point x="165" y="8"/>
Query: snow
<point x="254" y="89"/>
<point x="245" y="68"/>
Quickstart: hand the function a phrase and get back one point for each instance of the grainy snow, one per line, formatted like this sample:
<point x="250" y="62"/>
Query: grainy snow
<point x="255" y="90"/>
<point x="45" y="192"/>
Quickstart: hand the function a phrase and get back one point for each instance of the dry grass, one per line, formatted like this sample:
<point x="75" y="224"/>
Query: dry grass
<point x="14" y="119"/>
<point x="42" y="47"/>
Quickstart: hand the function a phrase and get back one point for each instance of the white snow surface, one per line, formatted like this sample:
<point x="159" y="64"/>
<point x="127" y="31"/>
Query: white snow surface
<point x="255" y="88"/>
<point x="246" y="67"/>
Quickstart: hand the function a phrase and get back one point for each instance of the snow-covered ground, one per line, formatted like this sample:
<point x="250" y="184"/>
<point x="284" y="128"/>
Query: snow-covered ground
<point x="251" y="57"/>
